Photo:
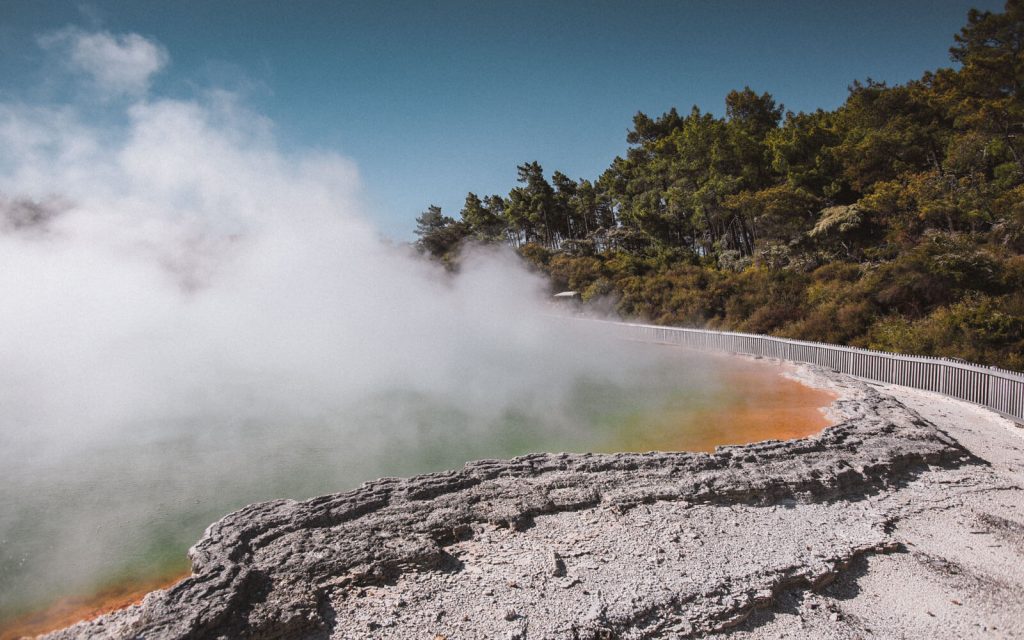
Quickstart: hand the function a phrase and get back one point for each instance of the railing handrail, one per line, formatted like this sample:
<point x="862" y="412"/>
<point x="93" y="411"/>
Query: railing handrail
<point x="963" y="364"/>
<point x="997" y="389"/>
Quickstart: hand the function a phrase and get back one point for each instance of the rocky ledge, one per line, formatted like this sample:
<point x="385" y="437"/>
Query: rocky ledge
<point x="559" y="545"/>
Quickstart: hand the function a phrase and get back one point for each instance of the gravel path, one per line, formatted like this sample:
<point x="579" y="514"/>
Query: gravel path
<point x="959" y="572"/>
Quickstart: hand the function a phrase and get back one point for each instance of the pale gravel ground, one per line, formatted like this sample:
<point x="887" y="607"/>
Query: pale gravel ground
<point x="961" y="572"/>
<point x="842" y="535"/>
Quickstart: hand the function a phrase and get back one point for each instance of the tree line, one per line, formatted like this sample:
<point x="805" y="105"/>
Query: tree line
<point x="895" y="221"/>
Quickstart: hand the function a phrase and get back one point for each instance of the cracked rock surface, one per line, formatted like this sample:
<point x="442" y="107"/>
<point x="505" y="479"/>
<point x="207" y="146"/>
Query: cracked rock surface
<point x="763" y="540"/>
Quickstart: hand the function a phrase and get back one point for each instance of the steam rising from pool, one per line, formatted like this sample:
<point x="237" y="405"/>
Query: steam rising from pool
<point x="193" y="318"/>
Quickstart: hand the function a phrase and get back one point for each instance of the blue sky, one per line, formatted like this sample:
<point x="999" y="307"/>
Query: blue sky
<point x="432" y="100"/>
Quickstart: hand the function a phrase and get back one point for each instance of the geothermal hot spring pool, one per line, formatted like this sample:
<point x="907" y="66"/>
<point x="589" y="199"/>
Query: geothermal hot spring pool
<point x="99" y="521"/>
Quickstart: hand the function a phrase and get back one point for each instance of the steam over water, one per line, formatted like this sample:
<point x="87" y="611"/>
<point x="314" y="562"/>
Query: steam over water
<point x="128" y="507"/>
<point x="192" y="318"/>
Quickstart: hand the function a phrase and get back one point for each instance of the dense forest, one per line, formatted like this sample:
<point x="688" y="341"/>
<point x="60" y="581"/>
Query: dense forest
<point x="894" y="222"/>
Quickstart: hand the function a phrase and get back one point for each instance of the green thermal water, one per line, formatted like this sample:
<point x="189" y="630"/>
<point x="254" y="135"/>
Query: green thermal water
<point x="130" y="508"/>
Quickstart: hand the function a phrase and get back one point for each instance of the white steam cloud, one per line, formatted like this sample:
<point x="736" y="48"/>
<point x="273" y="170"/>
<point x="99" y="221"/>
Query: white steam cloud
<point x="117" y="64"/>
<point x="187" y="267"/>
<point x="190" y="315"/>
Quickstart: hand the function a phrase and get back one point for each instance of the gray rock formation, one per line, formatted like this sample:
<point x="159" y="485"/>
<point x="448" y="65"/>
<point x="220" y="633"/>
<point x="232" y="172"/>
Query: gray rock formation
<point x="556" y="545"/>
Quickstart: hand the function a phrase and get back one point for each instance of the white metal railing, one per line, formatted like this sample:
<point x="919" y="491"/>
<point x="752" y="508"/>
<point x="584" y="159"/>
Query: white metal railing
<point x="997" y="389"/>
